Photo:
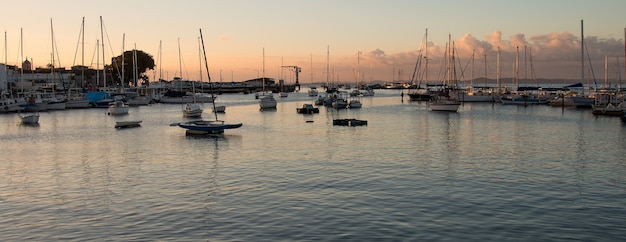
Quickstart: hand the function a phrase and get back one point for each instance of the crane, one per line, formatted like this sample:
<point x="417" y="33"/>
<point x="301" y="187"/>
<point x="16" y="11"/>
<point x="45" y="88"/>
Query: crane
<point x="297" y="70"/>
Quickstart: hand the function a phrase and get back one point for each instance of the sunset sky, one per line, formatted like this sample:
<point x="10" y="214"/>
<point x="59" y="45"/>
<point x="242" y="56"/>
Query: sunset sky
<point x="388" y="35"/>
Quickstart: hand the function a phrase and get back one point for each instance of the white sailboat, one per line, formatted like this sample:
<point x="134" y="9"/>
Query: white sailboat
<point x="191" y="109"/>
<point x="443" y="101"/>
<point x="354" y="100"/>
<point x="266" y="100"/>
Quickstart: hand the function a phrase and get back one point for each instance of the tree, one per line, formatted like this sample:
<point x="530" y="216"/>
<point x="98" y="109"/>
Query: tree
<point x="144" y="62"/>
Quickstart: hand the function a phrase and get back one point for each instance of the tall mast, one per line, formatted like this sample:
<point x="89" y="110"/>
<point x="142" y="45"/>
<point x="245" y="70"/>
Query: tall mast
<point x="327" y="64"/>
<point x="263" y="69"/>
<point x="200" y="62"/>
<point x="52" y="64"/>
<point x="123" y="59"/>
<point x="22" y="59"/>
<point x="82" y="70"/>
<point x="206" y="64"/>
<point x="582" y="52"/>
<point x="135" y="71"/>
<point x="5" y="57"/>
<point x="180" y="65"/>
<point x="104" y="72"/>
<point x="498" y="68"/>
<point x="426" y="57"/>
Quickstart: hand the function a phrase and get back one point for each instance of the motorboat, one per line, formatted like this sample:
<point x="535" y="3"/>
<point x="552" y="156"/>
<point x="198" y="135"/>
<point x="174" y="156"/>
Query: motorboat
<point x="118" y="107"/>
<point x="192" y="110"/>
<point x="307" y="108"/>
<point x="29" y="118"/>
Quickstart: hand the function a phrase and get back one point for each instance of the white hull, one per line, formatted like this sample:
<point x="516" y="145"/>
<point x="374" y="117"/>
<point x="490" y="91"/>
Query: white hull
<point x="267" y="102"/>
<point x="10" y="107"/>
<point x="118" y="108"/>
<point x="192" y="110"/>
<point x="29" y="118"/>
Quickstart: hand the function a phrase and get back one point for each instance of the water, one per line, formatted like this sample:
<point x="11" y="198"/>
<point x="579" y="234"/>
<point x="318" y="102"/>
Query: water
<point x="487" y="173"/>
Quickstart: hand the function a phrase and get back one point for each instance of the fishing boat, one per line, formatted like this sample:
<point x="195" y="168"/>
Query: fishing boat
<point x="203" y="127"/>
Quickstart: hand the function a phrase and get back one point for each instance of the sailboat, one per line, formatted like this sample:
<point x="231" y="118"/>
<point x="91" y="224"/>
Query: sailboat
<point x="421" y="94"/>
<point x="443" y="101"/>
<point x="54" y="103"/>
<point x="266" y="100"/>
<point x="354" y="100"/>
<point x="207" y="126"/>
<point x="191" y="109"/>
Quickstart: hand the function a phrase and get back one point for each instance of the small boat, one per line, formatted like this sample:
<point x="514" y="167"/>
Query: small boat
<point x="349" y="122"/>
<point x="192" y="110"/>
<point x="127" y="124"/>
<point x="219" y="109"/>
<point x="313" y="92"/>
<point x="207" y="126"/>
<point x="29" y="118"/>
<point x="307" y="109"/>
<point x="355" y="103"/>
<point x="118" y="107"/>
<point x="267" y="102"/>
<point x="444" y="102"/>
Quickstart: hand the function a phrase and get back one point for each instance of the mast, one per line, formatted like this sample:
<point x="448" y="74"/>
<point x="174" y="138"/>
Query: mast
<point x="517" y="66"/>
<point x="135" y="71"/>
<point x="327" y="65"/>
<point x="123" y="60"/>
<point x="98" y="63"/>
<point x="5" y="59"/>
<point x="22" y="59"/>
<point x="52" y="64"/>
<point x="498" y="69"/>
<point x="206" y="64"/>
<point x="82" y="70"/>
<point x="104" y="72"/>
<point x="582" y="52"/>
<point x="264" y="70"/>
<point x="426" y="58"/>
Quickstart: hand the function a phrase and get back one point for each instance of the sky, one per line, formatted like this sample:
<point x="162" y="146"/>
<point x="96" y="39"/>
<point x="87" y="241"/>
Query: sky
<point x="365" y="40"/>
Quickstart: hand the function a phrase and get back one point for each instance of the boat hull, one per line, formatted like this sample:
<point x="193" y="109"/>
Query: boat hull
<point x="202" y="126"/>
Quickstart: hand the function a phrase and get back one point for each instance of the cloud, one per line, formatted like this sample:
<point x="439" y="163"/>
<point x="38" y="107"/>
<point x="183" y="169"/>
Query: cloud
<point x="223" y="38"/>
<point x="552" y="55"/>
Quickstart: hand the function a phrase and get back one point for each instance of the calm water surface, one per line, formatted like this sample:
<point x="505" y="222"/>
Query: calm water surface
<point x="487" y="173"/>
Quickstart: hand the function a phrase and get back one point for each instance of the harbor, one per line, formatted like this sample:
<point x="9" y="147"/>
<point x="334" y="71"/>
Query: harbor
<point x="485" y="172"/>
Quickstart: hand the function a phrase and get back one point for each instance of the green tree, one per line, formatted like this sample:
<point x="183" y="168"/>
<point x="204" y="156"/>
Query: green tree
<point x="144" y="62"/>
